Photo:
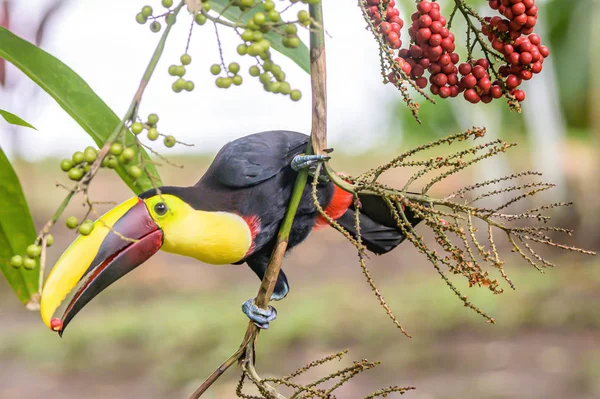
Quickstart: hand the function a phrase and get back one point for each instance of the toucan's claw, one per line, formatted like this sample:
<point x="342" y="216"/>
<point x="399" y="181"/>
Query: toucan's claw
<point x="260" y="317"/>
<point x="304" y="161"/>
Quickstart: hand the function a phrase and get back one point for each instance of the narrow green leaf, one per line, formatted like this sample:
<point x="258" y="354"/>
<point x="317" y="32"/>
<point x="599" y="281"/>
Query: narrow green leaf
<point x="16" y="233"/>
<point x="74" y="95"/>
<point x="300" y="55"/>
<point x="14" y="119"/>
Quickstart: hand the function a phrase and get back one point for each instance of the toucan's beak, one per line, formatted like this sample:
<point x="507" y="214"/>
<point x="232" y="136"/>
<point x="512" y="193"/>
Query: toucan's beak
<point x="121" y="240"/>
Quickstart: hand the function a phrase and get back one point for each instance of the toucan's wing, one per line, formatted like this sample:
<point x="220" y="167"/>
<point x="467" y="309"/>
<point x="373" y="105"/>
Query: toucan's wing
<point x="255" y="158"/>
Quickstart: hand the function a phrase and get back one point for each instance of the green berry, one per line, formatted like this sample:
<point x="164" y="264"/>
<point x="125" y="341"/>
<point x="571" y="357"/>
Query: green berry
<point x="112" y="162"/>
<point x="171" y="19"/>
<point x="75" y="174"/>
<point x="128" y="154"/>
<point x="173" y="70"/>
<point x="134" y="171"/>
<point x="303" y="17"/>
<point x="215" y="69"/>
<point x="33" y="251"/>
<point x="152" y="119"/>
<point x="189" y="85"/>
<point x="116" y="148"/>
<point x="295" y="95"/>
<point x="146" y="11"/>
<point x="140" y="18"/>
<point x="237" y="80"/>
<point x="86" y="228"/>
<point x="242" y="49"/>
<point x="259" y="18"/>
<point x="179" y="85"/>
<point x="264" y="78"/>
<point x="269" y="5"/>
<point x="176" y="88"/>
<point x="152" y="134"/>
<point x="16" y="261"/>
<point x="49" y="240"/>
<point x="185" y="59"/>
<point x="206" y="6"/>
<point x="78" y="157"/>
<point x="155" y="26"/>
<point x="90" y="155"/>
<point x="136" y="127"/>
<point x="72" y="222"/>
<point x="66" y="165"/>
<point x="254" y="71"/>
<point x="291" y="42"/>
<point x="169" y="141"/>
<point x="29" y="263"/>
<point x="246" y="3"/>
<point x="167" y="3"/>
<point x="257" y="36"/>
<point x="247" y="35"/>
<point x="200" y="19"/>
<point x="234" y="68"/>
<point x="274" y="16"/>
<point x="291" y="29"/>
<point x="285" y="88"/>
<point x="252" y="25"/>
<point x="87" y="167"/>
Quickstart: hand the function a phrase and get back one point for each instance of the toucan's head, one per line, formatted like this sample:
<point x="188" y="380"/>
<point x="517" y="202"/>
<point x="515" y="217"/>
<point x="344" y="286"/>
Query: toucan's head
<point x="129" y="234"/>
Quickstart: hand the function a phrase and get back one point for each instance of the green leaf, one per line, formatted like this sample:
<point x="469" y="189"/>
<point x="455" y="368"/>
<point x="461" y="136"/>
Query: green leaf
<point x="14" y="119"/>
<point x="300" y="55"/>
<point x="16" y="233"/>
<point x="74" y="95"/>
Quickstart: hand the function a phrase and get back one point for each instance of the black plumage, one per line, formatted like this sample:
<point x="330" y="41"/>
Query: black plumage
<point x="252" y="176"/>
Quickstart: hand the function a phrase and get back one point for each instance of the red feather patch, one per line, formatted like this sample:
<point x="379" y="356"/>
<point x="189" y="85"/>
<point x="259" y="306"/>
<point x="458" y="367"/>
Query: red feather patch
<point x="253" y="222"/>
<point x="340" y="201"/>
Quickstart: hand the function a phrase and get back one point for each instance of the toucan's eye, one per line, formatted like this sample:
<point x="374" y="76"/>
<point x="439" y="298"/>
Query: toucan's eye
<point x="160" y="208"/>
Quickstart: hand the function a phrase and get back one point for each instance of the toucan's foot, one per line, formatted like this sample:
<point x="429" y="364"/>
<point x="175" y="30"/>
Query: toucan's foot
<point x="260" y="317"/>
<point x="304" y="161"/>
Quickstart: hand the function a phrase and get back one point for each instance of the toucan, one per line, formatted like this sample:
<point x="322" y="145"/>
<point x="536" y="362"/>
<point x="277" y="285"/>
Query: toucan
<point x="230" y="216"/>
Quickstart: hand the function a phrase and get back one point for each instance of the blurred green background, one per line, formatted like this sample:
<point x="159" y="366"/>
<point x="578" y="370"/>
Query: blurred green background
<point x="161" y="330"/>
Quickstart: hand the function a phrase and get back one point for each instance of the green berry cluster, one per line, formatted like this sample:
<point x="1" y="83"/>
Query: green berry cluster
<point x="85" y="228"/>
<point x="233" y="77"/>
<point x="79" y="164"/>
<point x="152" y="131"/>
<point x="179" y="70"/>
<point x="32" y="253"/>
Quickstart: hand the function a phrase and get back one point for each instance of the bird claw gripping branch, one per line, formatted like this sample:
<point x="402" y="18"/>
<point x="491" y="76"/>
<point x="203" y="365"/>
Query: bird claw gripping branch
<point x="260" y="317"/>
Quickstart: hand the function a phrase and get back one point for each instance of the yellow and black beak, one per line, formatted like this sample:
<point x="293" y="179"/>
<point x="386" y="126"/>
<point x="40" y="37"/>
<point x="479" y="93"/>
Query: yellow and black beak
<point x="121" y="240"/>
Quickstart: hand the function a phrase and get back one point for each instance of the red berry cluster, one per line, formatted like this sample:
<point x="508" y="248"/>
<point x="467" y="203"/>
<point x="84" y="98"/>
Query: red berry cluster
<point x="433" y="50"/>
<point x="524" y="55"/>
<point x="476" y="82"/>
<point x="390" y="28"/>
<point x="521" y="16"/>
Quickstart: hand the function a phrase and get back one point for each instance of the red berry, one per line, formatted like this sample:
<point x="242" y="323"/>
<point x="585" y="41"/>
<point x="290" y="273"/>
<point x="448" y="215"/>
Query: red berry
<point x="486" y="98"/>
<point x="385" y="28"/>
<point x="525" y="74"/>
<point x="472" y="96"/>
<point x="512" y="81"/>
<point x="544" y="51"/>
<point x="425" y="21"/>
<point x="436" y="27"/>
<point x="435" y="39"/>
<point x="465" y="68"/>
<point x="519" y="95"/>
<point x="444" y="92"/>
<point x="525" y="58"/>
<point x="518" y="8"/>
<point x="417" y="71"/>
<point x="536" y="67"/>
<point x="483" y="62"/>
<point x="424" y="7"/>
<point x="479" y="71"/>
<point x="415" y="51"/>
<point x="534" y="39"/>
<point x="435" y="15"/>
<point x="423" y="35"/>
<point x="434" y="68"/>
<point x="439" y="79"/>
<point x="496" y="91"/>
<point x="421" y="82"/>
<point x="469" y="81"/>
<point x="434" y="89"/>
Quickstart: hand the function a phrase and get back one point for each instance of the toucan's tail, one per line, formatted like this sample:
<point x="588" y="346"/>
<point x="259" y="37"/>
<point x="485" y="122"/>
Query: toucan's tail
<point x="378" y="229"/>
